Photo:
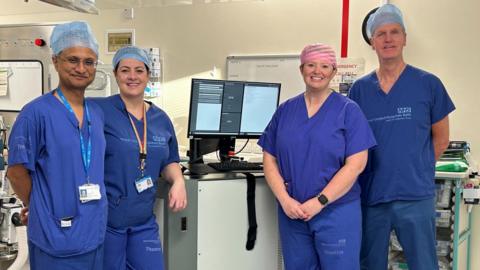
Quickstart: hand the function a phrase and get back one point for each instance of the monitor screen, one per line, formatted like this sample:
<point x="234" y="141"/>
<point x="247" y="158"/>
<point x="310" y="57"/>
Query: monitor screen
<point x="231" y="108"/>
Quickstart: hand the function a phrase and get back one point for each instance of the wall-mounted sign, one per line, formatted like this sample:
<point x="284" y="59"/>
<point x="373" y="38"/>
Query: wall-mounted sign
<point x="348" y="70"/>
<point x="119" y="38"/>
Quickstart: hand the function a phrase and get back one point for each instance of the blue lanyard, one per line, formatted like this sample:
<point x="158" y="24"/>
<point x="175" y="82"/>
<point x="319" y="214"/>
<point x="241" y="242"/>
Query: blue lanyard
<point x="86" y="153"/>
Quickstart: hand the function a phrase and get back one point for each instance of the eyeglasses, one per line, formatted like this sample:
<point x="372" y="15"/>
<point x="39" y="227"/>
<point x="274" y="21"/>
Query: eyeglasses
<point x="74" y="62"/>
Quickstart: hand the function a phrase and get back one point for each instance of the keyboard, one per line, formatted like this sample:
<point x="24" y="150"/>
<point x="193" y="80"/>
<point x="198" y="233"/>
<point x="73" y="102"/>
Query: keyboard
<point x="236" y="166"/>
<point x="199" y="169"/>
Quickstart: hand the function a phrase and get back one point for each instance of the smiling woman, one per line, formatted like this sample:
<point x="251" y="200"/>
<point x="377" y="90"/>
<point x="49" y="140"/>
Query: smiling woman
<point x="132" y="77"/>
<point x="141" y="145"/>
<point x="313" y="150"/>
<point x="318" y="67"/>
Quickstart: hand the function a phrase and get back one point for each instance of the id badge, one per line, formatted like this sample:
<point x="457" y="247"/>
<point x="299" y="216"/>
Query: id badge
<point x="143" y="183"/>
<point x="89" y="192"/>
<point x="66" y="222"/>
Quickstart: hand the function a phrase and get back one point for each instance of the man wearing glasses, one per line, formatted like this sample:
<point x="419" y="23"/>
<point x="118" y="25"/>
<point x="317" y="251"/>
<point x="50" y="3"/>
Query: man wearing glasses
<point x="56" y="160"/>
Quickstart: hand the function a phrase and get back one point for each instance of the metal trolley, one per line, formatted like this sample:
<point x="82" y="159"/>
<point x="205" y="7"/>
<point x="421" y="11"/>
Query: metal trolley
<point x="459" y="235"/>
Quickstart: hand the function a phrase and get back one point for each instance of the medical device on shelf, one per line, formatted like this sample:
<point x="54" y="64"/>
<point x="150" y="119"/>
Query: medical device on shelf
<point x="471" y="190"/>
<point x="10" y="208"/>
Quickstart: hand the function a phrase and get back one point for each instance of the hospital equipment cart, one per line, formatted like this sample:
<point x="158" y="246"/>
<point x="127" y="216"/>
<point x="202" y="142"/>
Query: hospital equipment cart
<point x="462" y="220"/>
<point x="211" y="233"/>
<point x="454" y="223"/>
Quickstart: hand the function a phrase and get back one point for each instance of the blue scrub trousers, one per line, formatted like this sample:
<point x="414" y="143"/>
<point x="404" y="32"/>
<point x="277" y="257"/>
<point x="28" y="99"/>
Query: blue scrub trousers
<point x="40" y="260"/>
<point x="414" y="225"/>
<point x="329" y="241"/>
<point x="137" y="247"/>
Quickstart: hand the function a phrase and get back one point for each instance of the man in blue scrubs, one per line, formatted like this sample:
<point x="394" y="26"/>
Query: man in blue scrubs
<point x="407" y="109"/>
<point x="56" y="157"/>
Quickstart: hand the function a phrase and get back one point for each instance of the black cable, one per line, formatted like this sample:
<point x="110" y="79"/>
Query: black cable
<point x="245" y="145"/>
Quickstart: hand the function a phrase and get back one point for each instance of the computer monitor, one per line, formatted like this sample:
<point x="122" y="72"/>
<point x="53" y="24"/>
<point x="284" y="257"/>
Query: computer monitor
<point x="222" y="111"/>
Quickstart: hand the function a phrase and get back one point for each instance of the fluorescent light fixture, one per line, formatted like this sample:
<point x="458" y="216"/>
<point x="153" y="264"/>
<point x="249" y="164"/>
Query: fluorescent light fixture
<point x="85" y="6"/>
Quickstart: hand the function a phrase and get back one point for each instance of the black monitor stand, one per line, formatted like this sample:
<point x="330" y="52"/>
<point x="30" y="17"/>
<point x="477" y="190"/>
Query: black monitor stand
<point x="200" y="147"/>
<point x="203" y="146"/>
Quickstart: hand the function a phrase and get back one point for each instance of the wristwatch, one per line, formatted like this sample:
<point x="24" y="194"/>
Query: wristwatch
<point x="322" y="199"/>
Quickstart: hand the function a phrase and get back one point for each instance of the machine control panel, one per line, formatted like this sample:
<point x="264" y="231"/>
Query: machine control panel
<point x="23" y="42"/>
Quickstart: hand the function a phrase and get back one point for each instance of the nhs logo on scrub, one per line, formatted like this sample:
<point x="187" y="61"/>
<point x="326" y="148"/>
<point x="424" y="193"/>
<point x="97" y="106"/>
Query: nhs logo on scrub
<point x="158" y="141"/>
<point x="404" y="110"/>
<point x="403" y="113"/>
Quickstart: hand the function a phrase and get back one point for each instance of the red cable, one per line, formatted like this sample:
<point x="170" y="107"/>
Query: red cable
<point x="345" y="12"/>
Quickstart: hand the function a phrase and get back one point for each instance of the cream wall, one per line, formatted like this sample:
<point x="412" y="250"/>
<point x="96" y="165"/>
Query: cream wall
<point x="442" y="38"/>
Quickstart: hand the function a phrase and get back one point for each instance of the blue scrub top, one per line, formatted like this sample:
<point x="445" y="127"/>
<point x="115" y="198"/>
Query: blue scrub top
<point x="127" y="207"/>
<point x="310" y="151"/>
<point x="402" y="166"/>
<point x="45" y="139"/>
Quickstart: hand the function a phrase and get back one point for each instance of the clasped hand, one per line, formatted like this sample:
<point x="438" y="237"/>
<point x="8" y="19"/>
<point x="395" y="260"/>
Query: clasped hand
<point x="306" y="211"/>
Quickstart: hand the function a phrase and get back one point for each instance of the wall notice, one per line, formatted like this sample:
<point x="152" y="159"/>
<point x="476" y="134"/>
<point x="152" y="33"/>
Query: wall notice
<point x="349" y="69"/>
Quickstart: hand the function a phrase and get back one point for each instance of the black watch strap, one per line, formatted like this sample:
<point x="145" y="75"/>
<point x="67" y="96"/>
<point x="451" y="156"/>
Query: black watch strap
<point x="322" y="199"/>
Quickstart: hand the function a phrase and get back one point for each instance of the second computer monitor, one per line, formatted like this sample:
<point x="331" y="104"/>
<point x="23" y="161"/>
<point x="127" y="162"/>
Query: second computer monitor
<point x="231" y="108"/>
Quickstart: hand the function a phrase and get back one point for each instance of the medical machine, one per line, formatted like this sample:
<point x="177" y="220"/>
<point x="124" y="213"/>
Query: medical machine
<point x="222" y="111"/>
<point x="211" y="233"/>
<point x="10" y="218"/>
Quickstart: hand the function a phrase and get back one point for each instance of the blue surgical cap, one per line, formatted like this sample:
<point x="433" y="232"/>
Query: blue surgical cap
<point x="133" y="53"/>
<point x="73" y="34"/>
<point x="387" y="13"/>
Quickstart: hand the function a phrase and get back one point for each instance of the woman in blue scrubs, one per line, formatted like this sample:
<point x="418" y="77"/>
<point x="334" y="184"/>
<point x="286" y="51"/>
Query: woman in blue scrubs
<point x="141" y="145"/>
<point x="314" y="148"/>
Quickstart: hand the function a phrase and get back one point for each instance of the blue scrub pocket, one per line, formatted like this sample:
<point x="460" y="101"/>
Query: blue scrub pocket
<point x="149" y="194"/>
<point x="132" y="210"/>
<point x="143" y="205"/>
<point x="64" y="212"/>
<point x="79" y="232"/>
<point x="67" y="210"/>
<point x="117" y="211"/>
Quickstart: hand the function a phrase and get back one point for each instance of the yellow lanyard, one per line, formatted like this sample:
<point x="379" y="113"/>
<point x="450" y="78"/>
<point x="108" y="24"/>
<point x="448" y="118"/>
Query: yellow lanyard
<point x="142" y="144"/>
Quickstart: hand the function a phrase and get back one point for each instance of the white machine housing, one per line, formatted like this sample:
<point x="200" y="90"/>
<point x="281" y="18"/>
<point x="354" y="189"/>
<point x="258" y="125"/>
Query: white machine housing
<point x="8" y="232"/>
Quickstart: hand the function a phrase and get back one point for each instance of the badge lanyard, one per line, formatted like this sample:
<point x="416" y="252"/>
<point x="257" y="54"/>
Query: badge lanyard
<point x="142" y="144"/>
<point x="86" y="150"/>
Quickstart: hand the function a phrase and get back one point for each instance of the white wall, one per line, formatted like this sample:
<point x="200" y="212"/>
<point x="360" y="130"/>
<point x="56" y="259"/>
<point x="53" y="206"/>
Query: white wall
<point x="442" y="37"/>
